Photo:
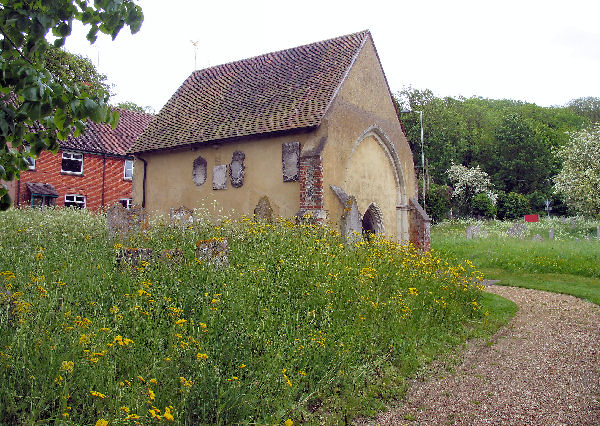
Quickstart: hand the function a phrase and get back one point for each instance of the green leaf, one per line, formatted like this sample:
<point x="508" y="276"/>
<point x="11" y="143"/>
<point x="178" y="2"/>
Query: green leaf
<point x="36" y="111"/>
<point x="59" y="119"/>
<point x="31" y="94"/>
<point x="114" y="119"/>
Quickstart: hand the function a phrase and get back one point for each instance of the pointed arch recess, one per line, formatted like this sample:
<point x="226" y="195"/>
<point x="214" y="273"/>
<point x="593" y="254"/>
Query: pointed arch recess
<point x="372" y="221"/>
<point x="390" y="151"/>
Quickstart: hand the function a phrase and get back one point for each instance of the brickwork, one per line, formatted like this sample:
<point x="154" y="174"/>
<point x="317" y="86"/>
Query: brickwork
<point x="419" y="226"/>
<point x="89" y="183"/>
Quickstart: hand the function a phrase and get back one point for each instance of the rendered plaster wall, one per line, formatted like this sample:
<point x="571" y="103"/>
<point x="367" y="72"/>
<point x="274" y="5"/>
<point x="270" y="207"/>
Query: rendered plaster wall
<point x="355" y="160"/>
<point x="169" y="182"/>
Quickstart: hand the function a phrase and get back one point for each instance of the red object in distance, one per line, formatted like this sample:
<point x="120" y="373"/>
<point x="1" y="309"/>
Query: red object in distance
<point x="532" y="218"/>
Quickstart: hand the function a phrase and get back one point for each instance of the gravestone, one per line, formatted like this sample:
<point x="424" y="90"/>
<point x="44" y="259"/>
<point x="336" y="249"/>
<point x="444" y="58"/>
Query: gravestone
<point x="290" y="159"/>
<point x="214" y="251"/>
<point x="598" y="232"/>
<point x="172" y="256"/>
<point x="551" y="234"/>
<point x="351" y="222"/>
<point x="134" y="256"/>
<point x="181" y="216"/>
<point x="517" y="230"/>
<point x="263" y="211"/>
<point x="473" y="232"/>
<point x="236" y="169"/>
<point x="220" y="177"/>
<point x="122" y="222"/>
<point x="537" y="237"/>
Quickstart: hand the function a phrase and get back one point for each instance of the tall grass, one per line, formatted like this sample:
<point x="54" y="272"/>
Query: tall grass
<point x="297" y="327"/>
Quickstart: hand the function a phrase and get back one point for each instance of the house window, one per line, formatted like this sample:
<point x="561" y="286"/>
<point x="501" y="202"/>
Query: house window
<point x="126" y="202"/>
<point x="72" y="163"/>
<point x="74" y="200"/>
<point x="128" y="170"/>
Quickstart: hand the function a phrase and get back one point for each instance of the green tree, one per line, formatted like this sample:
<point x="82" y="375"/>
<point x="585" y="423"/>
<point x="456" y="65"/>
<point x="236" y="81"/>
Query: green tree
<point x="512" y="205"/>
<point x="76" y="70"/>
<point x="483" y="206"/>
<point x="588" y="107"/>
<point x="579" y="179"/>
<point x="132" y="106"/>
<point x="510" y="140"/>
<point x="39" y="107"/>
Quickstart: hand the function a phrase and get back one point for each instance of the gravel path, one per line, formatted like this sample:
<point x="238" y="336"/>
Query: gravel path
<point x="542" y="368"/>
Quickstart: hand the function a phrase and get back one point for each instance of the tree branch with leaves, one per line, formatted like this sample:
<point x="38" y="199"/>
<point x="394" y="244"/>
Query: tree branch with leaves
<point x="38" y="105"/>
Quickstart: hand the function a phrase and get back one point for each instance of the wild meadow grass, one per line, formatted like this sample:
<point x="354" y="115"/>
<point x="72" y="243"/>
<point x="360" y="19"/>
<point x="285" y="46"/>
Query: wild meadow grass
<point x="569" y="263"/>
<point x="299" y="327"/>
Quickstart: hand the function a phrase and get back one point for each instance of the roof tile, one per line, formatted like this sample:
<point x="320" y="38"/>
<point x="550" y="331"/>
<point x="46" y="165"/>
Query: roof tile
<point x="285" y="90"/>
<point x="103" y="139"/>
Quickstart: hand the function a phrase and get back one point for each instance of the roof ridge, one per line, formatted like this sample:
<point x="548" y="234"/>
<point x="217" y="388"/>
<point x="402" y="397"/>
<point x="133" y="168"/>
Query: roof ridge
<point x="250" y="60"/>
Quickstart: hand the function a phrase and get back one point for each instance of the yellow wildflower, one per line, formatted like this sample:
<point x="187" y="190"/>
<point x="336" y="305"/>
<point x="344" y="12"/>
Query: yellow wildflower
<point x="200" y="356"/>
<point x="288" y="422"/>
<point x="67" y="366"/>
<point x="168" y="416"/>
<point x="98" y="394"/>
<point x="101" y="422"/>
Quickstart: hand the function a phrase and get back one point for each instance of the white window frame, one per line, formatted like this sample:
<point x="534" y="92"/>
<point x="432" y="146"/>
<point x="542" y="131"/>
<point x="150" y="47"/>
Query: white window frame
<point x="78" y="199"/>
<point x="126" y="202"/>
<point x="73" y="156"/>
<point x="125" y="169"/>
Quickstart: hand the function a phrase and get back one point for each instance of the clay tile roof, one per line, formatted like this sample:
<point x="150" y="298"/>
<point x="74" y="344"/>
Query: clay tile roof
<point x="285" y="90"/>
<point x="41" y="189"/>
<point x="102" y="138"/>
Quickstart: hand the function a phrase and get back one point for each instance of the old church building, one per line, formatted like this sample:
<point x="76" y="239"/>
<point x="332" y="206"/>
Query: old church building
<point x="313" y="128"/>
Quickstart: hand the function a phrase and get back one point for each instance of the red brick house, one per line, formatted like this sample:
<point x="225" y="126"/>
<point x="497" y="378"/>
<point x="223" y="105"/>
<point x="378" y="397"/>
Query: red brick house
<point x="91" y="171"/>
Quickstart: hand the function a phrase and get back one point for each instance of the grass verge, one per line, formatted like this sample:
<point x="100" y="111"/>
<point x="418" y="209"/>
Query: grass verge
<point x="568" y="264"/>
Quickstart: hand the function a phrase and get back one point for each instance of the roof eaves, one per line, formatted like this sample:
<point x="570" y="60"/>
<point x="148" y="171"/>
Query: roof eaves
<point x="253" y="136"/>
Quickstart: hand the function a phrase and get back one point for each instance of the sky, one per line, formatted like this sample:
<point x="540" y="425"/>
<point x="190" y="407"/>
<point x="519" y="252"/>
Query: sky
<point x="545" y="52"/>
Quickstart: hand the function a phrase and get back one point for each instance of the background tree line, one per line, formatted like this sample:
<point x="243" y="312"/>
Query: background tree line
<point x="513" y="142"/>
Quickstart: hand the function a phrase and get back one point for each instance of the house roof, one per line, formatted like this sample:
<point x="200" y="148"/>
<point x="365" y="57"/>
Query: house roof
<point x="103" y="139"/>
<point x="286" y="90"/>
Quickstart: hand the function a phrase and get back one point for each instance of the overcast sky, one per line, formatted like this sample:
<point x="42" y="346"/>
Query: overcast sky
<point x="546" y="52"/>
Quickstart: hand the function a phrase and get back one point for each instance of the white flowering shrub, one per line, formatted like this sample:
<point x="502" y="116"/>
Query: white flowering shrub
<point x="468" y="182"/>
<point x="579" y="180"/>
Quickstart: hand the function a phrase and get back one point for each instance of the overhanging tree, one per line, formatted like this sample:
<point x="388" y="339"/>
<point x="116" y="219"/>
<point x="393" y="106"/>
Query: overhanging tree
<point x="38" y="107"/>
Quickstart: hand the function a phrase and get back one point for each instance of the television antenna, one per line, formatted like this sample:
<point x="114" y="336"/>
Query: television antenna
<point x="195" y="44"/>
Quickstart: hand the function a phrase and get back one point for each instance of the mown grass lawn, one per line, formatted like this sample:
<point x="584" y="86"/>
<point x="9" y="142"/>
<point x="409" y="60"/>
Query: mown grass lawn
<point x="569" y="263"/>
<point x="299" y="327"/>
